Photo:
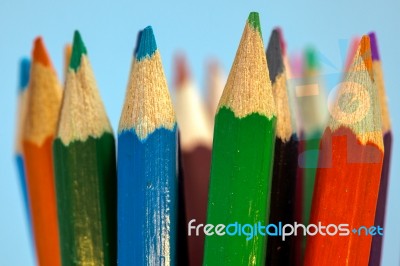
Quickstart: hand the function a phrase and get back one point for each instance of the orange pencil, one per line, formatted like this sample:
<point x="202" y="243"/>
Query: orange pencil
<point x="350" y="164"/>
<point x="67" y="58"/>
<point x="40" y="125"/>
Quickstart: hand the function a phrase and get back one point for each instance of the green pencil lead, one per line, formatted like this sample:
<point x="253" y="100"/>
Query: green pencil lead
<point x="78" y="49"/>
<point x="254" y="21"/>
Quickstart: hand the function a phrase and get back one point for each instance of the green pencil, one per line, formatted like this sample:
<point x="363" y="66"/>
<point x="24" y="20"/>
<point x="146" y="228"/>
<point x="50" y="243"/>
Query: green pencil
<point x="314" y="117"/>
<point x="84" y="160"/>
<point x="242" y="156"/>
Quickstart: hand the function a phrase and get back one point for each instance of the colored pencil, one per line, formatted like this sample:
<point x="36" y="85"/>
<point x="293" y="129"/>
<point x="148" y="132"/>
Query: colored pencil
<point x="39" y="129"/>
<point x="284" y="176"/>
<point x="291" y="81"/>
<point x="376" y="248"/>
<point x="182" y="235"/>
<point x="350" y="164"/>
<point x="311" y="102"/>
<point x="352" y="52"/>
<point x="147" y="164"/>
<point x="296" y="61"/>
<point x="24" y="69"/>
<point x="67" y="58"/>
<point x="195" y="145"/>
<point x="215" y="85"/>
<point x="84" y="160"/>
<point x="242" y="155"/>
<point x="293" y="78"/>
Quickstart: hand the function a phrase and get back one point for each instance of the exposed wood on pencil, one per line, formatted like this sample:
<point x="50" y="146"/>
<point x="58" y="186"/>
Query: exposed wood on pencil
<point x="350" y="163"/>
<point x="147" y="163"/>
<point x="84" y="159"/>
<point x="242" y="156"/>
<point x="39" y="129"/>
<point x="284" y="176"/>
<point x="293" y="79"/>
<point x="67" y="58"/>
<point x="352" y="52"/>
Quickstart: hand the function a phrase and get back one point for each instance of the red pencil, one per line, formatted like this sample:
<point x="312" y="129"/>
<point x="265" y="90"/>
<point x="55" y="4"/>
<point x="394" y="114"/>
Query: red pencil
<point x="195" y="148"/>
<point x="350" y="164"/>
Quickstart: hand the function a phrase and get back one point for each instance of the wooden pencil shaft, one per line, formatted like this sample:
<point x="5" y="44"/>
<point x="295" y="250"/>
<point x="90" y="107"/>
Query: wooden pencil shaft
<point x="196" y="167"/>
<point x="242" y="155"/>
<point x="43" y="103"/>
<point x="351" y="198"/>
<point x="240" y="185"/>
<point x="283" y="200"/>
<point x="349" y="168"/>
<point x="85" y="169"/>
<point x="377" y="240"/>
<point x="147" y="164"/>
<point x="42" y="199"/>
<point x="147" y="189"/>
<point x="86" y="197"/>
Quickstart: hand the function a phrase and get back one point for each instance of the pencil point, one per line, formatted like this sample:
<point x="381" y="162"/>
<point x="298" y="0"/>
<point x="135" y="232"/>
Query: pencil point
<point x="181" y="70"/>
<point x="147" y="45"/>
<point x="374" y="47"/>
<point x="67" y="53"/>
<point x="274" y="56"/>
<point x="365" y="53"/>
<point x="281" y="40"/>
<point x="24" y="70"/>
<point x="311" y="59"/>
<point x="39" y="53"/>
<point x="254" y="21"/>
<point x="138" y="38"/>
<point x="78" y="49"/>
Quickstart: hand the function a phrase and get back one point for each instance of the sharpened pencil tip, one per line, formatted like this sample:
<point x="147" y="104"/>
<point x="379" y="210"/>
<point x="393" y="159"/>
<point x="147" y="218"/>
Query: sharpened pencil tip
<point x="67" y="53"/>
<point x="365" y="53"/>
<point x="274" y="56"/>
<point x="138" y="37"/>
<point x="281" y="40"/>
<point x="147" y="45"/>
<point x="374" y="46"/>
<point x="78" y="49"/>
<point x="311" y="59"/>
<point x="181" y="70"/>
<point x="39" y="53"/>
<point x="254" y="21"/>
<point x="24" y="71"/>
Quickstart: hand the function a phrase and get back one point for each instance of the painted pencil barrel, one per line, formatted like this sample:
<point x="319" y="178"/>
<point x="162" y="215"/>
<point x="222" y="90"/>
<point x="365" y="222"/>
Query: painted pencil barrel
<point x="22" y="180"/>
<point x="283" y="186"/>
<point x="147" y="198"/>
<point x="86" y="200"/>
<point x="147" y="163"/>
<point x="43" y="103"/>
<point x="40" y="181"/>
<point x="240" y="185"/>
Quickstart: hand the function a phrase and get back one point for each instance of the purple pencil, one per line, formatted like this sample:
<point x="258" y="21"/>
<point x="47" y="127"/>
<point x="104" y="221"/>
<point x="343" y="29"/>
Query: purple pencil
<point x="377" y="240"/>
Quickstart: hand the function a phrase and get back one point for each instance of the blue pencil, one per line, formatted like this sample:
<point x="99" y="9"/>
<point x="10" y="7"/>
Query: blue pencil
<point x="147" y="163"/>
<point x="24" y="70"/>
